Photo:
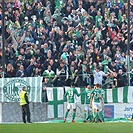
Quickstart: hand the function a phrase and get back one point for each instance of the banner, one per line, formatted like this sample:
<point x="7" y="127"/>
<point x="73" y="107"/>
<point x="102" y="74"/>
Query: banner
<point x="119" y="95"/>
<point x="118" y="110"/>
<point x="11" y="87"/>
<point x="55" y="102"/>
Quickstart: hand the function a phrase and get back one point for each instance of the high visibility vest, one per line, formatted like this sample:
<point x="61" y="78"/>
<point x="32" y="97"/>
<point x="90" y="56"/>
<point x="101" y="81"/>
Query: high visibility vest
<point x="22" y="99"/>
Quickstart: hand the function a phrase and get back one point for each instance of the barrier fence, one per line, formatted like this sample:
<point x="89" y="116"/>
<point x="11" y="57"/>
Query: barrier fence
<point x="118" y="101"/>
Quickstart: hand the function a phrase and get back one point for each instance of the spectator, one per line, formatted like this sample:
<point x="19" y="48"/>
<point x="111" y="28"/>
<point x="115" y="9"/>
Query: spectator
<point x="98" y="76"/>
<point x="62" y="73"/>
<point x="49" y="73"/>
<point x="121" y="79"/>
<point x="31" y="68"/>
<point x="21" y="72"/>
<point x="83" y="77"/>
<point x="10" y="72"/>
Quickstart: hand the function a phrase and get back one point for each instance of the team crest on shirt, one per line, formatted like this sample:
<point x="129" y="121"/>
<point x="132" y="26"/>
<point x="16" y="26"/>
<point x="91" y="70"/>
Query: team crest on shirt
<point x="12" y="89"/>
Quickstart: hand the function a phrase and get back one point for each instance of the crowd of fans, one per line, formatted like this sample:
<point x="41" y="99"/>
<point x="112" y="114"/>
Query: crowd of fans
<point x="68" y="41"/>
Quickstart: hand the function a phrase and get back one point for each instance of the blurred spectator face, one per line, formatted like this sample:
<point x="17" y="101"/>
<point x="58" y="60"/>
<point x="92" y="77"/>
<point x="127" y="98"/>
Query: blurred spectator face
<point x="97" y="69"/>
<point x="48" y="4"/>
<point x="28" y="50"/>
<point x="102" y="42"/>
<point x="22" y="51"/>
<point x="0" y="72"/>
<point x="48" y="13"/>
<point x="8" y="5"/>
<point x="62" y="64"/>
<point x="72" y="68"/>
<point x="80" y="6"/>
<point x="68" y="43"/>
<point x="27" y="33"/>
<point x="40" y="21"/>
<point x="9" y="10"/>
<point x="0" y="42"/>
<point x="72" y="63"/>
<point x="91" y="8"/>
<point x="84" y="68"/>
<point x="86" y="14"/>
<point x="9" y="67"/>
<point x="61" y="33"/>
<point x="126" y="5"/>
<point x="30" y="28"/>
<point x="65" y="49"/>
<point x="95" y="64"/>
<point x="46" y="80"/>
<point x="20" y="57"/>
<point x="20" y="9"/>
<point x="49" y="68"/>
<point x="85" y="62"/>
<point x="45" y="45"/>
<point x="36" y="70"/>
<point x="21" y="68"/>
<point x="68" y="8"/>
<point x="86" y="37"/>
<point x="32" y="61"/>
<point x="51" y="62"/>
<point x="17" y="12"/>
<point x="0" y="22"/>
<point x="43" y="36"/>
<point x="118" y="48"/>
<point x="96" y="50"/>
<point x="87" y="55"/>
<point x="49" y="52"/>
<point x="96" y="30"/>
<point x="98" y="13"/>
<point x="74" y="37"/>
<point x="79" y="48"/>
<point x="104" y="51"/>
<point x="120" y="71"/>
<point x="123" y="54"/>
<point x="39" y="6"/>
<point x="73" y="11"/>
<point x="90" y="45"/>
<point x="69" y="1"/>
<point x="26" y="19"/>
<point x="29" y="7"/>
<point x="113" y="63"/>
<point x="49" y="55"/>
<point x="115" y="38"/>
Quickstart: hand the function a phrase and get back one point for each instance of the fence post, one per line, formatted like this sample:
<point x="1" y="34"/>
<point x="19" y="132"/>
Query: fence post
<point x="0" y="112"/>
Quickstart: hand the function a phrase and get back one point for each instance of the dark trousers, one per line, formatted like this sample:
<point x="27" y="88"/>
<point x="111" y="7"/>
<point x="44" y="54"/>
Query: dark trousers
<point x="25" y="112"/>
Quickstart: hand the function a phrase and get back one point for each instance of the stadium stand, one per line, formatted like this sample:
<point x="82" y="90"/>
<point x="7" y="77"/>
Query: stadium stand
<point x="74" y="37"/>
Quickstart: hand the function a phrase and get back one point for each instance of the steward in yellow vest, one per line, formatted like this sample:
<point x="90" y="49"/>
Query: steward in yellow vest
<point x="22" y="96"/>
<point x="24" y="103"/>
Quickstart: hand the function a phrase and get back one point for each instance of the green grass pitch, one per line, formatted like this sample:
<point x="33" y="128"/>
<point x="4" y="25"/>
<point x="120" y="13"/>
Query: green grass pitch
<point x="119" y="127"/>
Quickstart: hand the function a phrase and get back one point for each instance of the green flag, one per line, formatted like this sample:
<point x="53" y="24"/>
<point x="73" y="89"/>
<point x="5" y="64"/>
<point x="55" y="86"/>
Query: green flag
<point x="55" y="102"/>
<point x="11" y="87"/>
<point x="119" y="95"/>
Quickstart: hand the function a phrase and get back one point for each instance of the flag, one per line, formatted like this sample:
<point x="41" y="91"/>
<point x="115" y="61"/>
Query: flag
<point x="55" y="102"/>
<point x="11" y="87"/>
<point x="119" y="95"/>
<point x="114" y="95"/>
